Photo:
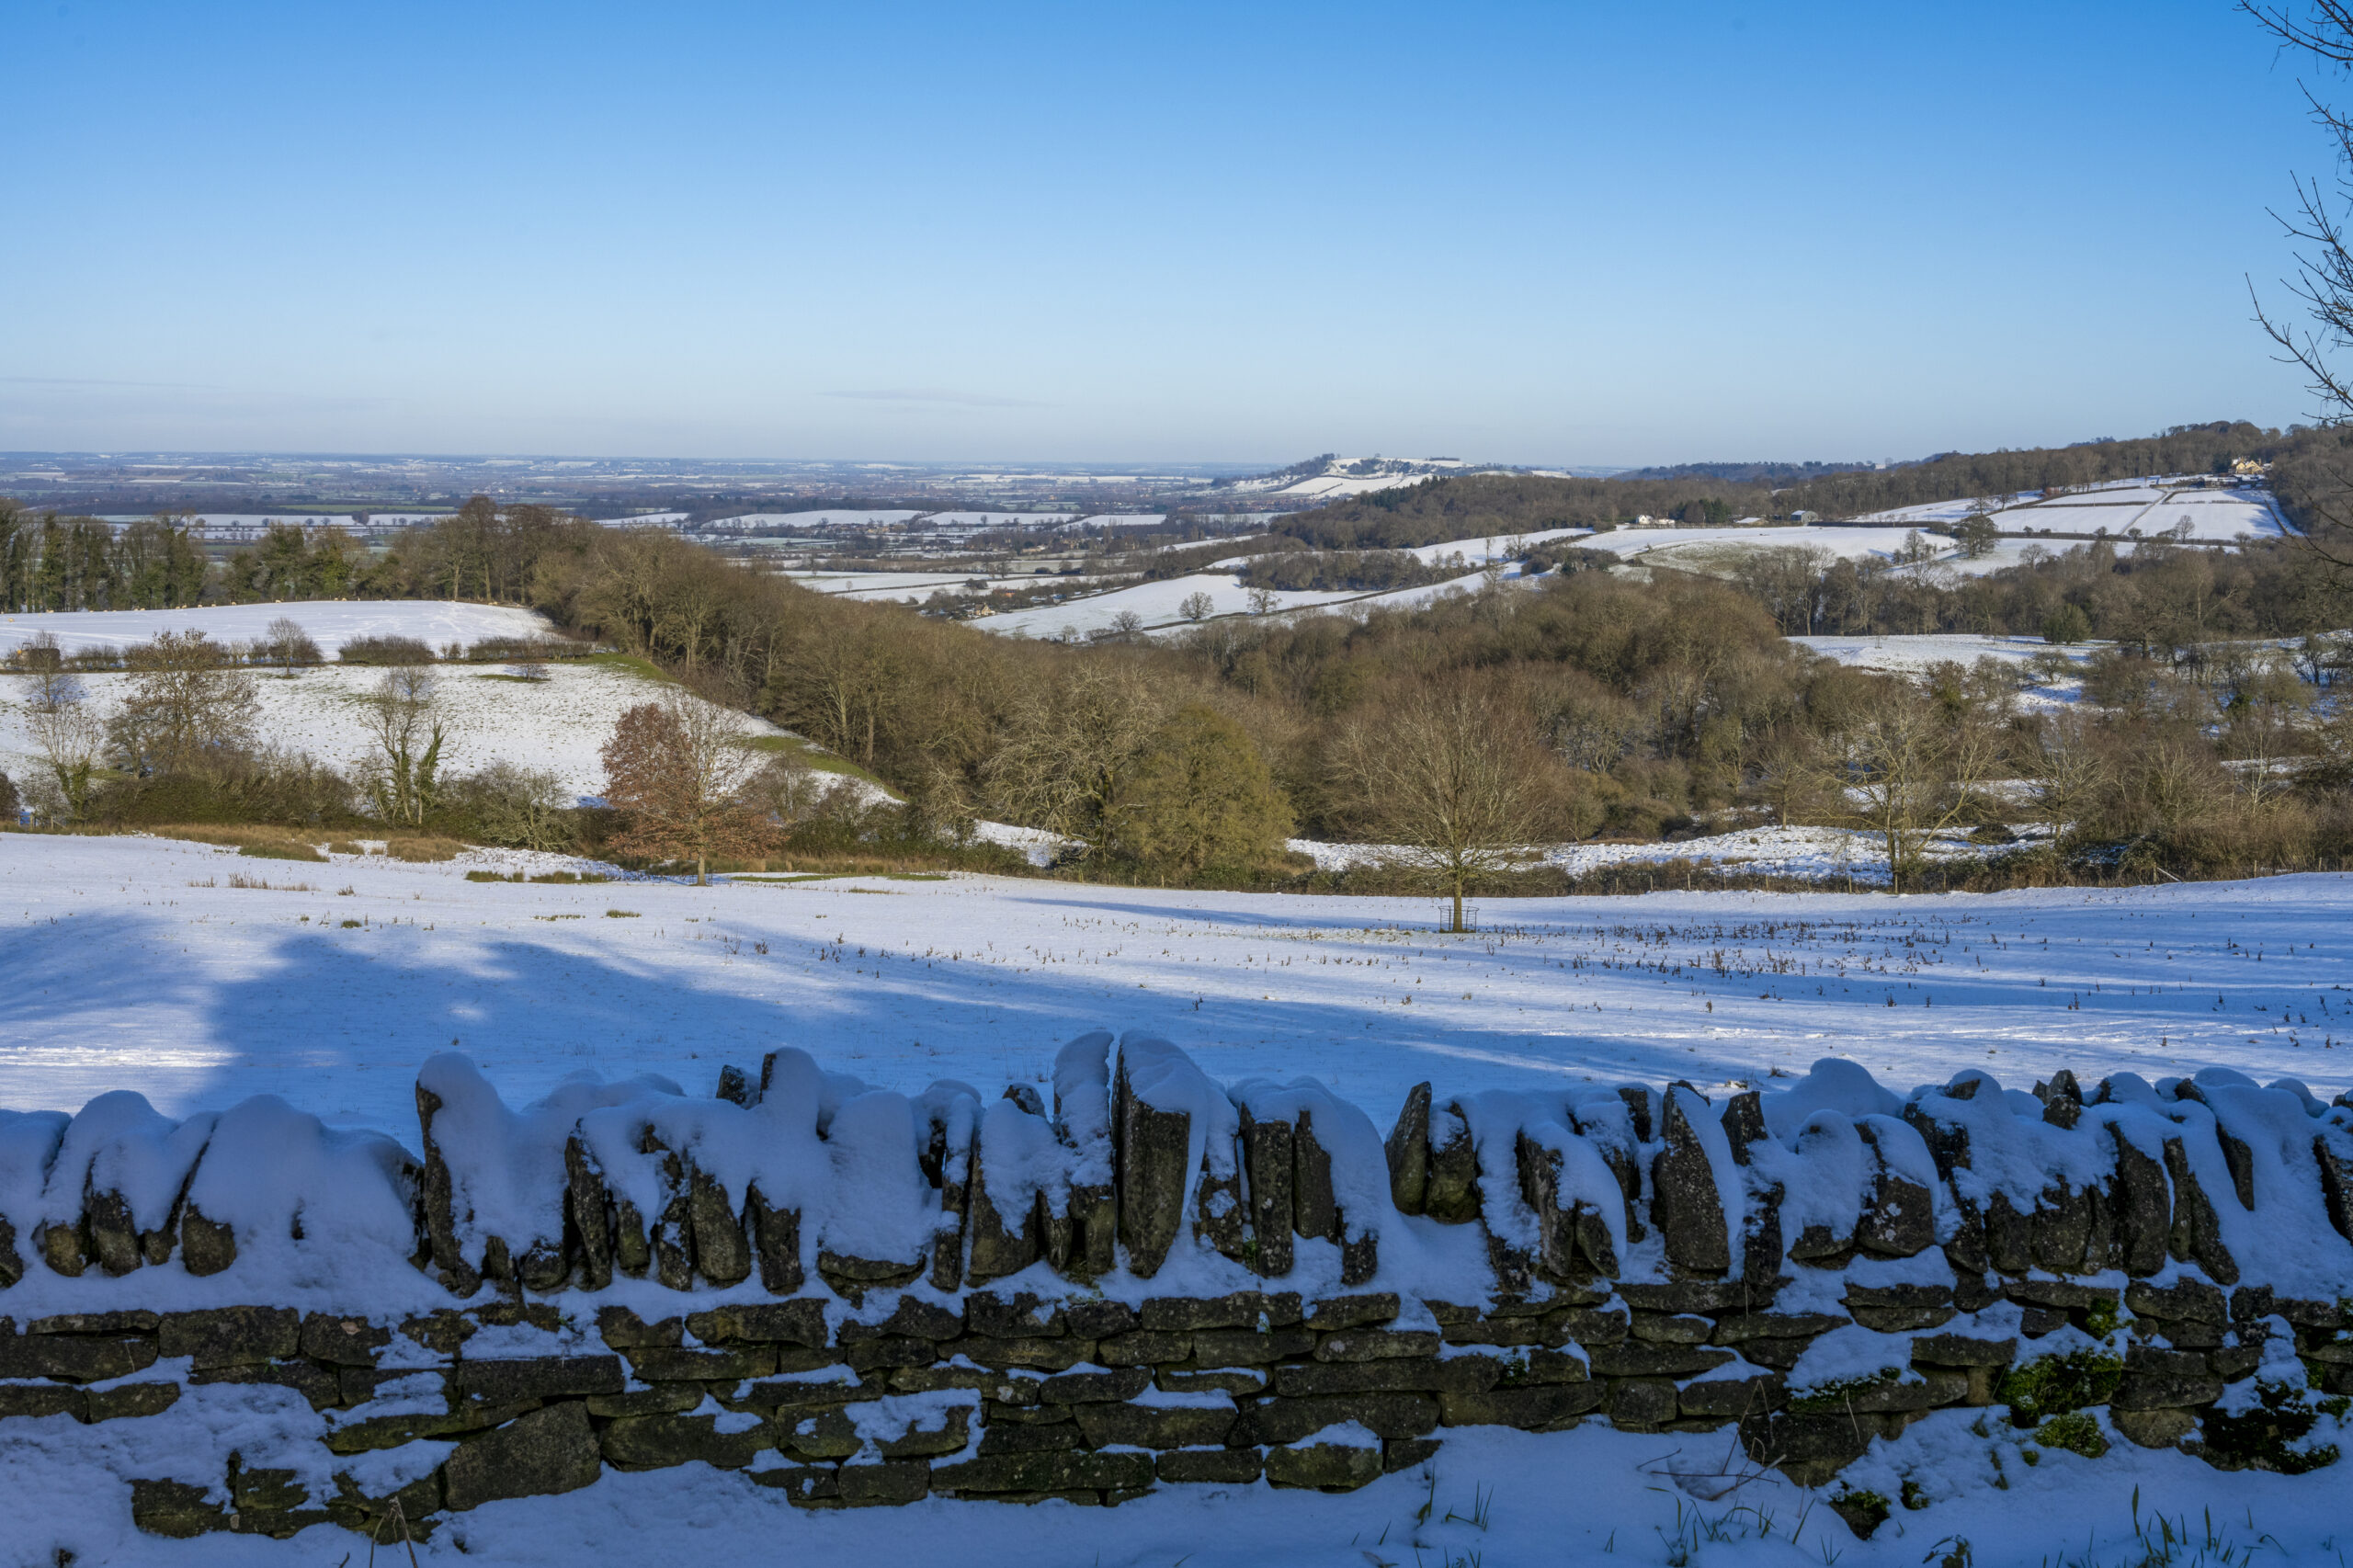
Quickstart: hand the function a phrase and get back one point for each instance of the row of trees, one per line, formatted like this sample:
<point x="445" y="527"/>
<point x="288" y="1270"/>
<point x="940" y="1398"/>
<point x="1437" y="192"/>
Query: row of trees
<point x="49" y="562"/>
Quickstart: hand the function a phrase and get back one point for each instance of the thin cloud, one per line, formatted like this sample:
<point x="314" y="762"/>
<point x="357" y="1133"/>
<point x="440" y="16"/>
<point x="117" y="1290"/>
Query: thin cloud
<point x="938" y="395"/>
<point x="78" y="381"/>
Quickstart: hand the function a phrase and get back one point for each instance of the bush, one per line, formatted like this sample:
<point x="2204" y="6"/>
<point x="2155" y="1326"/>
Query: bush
<point x="386" y="650"/>
<point x="267" y="787"/>
<point x="12" y="805"/>
<point x="2066" y="625"/>
<point x="286" y="850"/>
<point x="424" y="849"/>
<point x="522" y="808"/>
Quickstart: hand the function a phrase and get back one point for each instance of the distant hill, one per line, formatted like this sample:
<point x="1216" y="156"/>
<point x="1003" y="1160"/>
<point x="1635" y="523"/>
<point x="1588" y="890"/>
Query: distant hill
<point x="1438" y="508"/>
<point x="1749" y="472"/>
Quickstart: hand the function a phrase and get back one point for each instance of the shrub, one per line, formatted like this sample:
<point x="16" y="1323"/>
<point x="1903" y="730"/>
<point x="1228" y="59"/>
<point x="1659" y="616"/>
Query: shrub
<point x="284" y="850"/>
<point x="2075" y="1432"/>
<point x="386" y="650"/>
<point x="2066" y="625"/>
<point x="423" y="848"/>
<point x="2055" y="1385"/>
<point x="523" y="808"/>
<point x="2273" y="1433"/>
<point x="12" y="805"/>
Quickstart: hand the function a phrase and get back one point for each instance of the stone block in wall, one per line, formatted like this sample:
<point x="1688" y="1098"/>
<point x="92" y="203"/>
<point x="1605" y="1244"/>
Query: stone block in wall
<point x="549" y="1450"/>
<point x="1553" y="1407"/>
<point x="1215" y="1467"/>
<point x="1638" y="1403"/>
<point x="1451" y="1193"/>
<point x="804" y="1486"/>
<point x="1809" y="1449"/>
<point x="1154" y="1172"/>
<point x="1098" y="1319"/>
<point x="36" y="1400"/>
<point x="1243" y="1347"/>
<point x="623" y="1330"/>
<point x="401" y="1516"/>
<point x="1316" y="1211"/>
<point x="1288" y="1420"/>
<point x="1143" y="1349"/>
<point x="1408" y="1150"/>
<point x="341" y="1340"/>
<point x="1044" y="1472"/>
<point x="1781" y="1354"/>
<point x="883" y="1485"/>
<point x="1004" y="1388"/>
<point x="2197" y="1233"/>
<point x="1092" y="1388"/>
<point x="722" y="1254"/>
<point x="658" y="1364"/>
<point x="1589" y="1325"/>
<point x="1243" y="1308"/>
<point x="1155" y="1425"/>
<point x="1899" y="1218"/>
<point x="1733" y="1398"/>
<point x="1639" y="1360"/>
<point x="1326" y="1466"/>
<point x="74" y="1358"/>
<point x="650" y="1442"/>
<point x="800" y="1322"/>
<point x="130" y="1400"/>
<point x="1738" y="1328"/>
<point x="851" y="1278"/>
<point x="916" y="1441"/>
<point x="2179" y="1380"/>
<point x="175" y="1509"/>
<point x="1022" y="1316"/>
<point x="1239" y="1381"/>
<point x="107" y="1323"/>
<point x="1901" y="1320"/>
<point x="1684" y="1203"/>
<point x="1002" y="1355"/>
<point x="510" y="1382"/>
<point x="912" y="1318"/>
<point x="1709" y="1296"/>
<point x="1457" y="1374"/>
<point x="2160" y="1429"/>
<point x="1408" y="1453"/>
<point x="313" y="1381"/>
<point x="220" y="1336"/>
<point x="892" y="1350"/>
<point x="673" y="1399"/>
<point x="999" y="1438"/>
<point x="2336" y="1161"/>
<point x="1375" y="1344"/>
<point x="1963" y="1350"/>
<point x="1353" y="1312"/>
<point x="775" y="1236"/>
<point x="817" y="1433"/>
<point x="1673" y="1328"/>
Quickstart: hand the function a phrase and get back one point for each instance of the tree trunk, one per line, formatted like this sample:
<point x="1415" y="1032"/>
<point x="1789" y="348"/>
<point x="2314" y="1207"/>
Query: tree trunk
<point x="1458" y="901"/>
<point x="702" y="879"/>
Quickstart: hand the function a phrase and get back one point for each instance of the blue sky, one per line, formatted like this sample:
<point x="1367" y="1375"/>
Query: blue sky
<point x="1526" y="233"/>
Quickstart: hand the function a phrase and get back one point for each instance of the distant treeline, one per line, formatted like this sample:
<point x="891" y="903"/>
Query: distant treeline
<point x="67" y="564"/>
<point x="1442" y="510"/>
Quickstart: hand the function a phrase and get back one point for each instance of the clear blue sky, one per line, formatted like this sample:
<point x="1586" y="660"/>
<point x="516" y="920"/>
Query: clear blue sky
<point x="1529" y="233"/>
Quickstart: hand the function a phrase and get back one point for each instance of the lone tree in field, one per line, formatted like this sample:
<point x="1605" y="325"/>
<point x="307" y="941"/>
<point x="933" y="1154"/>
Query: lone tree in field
<point x="287" y="645"/>
<point x="676" y="770"/>
<point x="1908" y="772"/>
<point x="403" y="715"/>
<point x="1449" y="773"/>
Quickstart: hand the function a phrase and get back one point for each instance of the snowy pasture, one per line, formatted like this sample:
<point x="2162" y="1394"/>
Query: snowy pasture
<point x="330" y="622"/>
<point x="2155" y="506"/>
<point x="138" y="963"/>
<point x="559" y="723"/>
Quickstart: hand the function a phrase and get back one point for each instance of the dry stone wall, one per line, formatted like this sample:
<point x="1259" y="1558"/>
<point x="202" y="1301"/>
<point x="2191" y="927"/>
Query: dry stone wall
<point x="860" y="1297"/>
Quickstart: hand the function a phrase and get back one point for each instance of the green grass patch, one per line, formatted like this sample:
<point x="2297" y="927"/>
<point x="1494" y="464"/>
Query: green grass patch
<point x="814" y="755"/>
<point x="622" y="915"/>
<point x="281" y="852"/>
<point x="494" y="876"/>
<point x="629" y="664"/>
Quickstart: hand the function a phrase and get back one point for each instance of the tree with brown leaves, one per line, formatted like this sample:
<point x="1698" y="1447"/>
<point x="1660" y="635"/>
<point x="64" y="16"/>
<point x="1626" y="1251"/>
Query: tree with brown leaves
<point x="676" y="770"/>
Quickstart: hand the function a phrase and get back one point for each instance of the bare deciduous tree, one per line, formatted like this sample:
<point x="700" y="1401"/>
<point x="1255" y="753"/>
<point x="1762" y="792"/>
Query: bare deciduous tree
<point x="402" y="716"/>
<point x="70" y="738"/>
<point x="1907" y="770"/>
<point x="676" y="771"/>
<point x="1068" y="750"/>
<point x="1197" y="605"/>
<point x="1451" y="776"/>
<point x="287" y="645"/>
<point x="185" y="701"/>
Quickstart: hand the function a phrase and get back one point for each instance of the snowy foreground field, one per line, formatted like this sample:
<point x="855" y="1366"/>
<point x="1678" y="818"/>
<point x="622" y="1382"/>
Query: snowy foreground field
<point x="132" y="963"/>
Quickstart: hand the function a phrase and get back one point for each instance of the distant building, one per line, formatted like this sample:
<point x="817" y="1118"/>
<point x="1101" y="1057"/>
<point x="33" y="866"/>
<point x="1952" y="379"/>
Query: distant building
<point x="2249" y="466"/>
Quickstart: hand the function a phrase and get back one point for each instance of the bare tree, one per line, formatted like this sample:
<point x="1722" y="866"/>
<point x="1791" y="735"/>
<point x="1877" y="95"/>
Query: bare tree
<point x="1908" y="771"/>
<point x="2320" y="32"/>
<point x="185" y="701"/>
<point x="676" y="771"/>
<point x="70" y="738"/>
<point x="403" y="715"/>
<point x="1451" y="776"/>
<point x="2068" y="770"/>
<point x="1197" y="605"/>
<point x="1068" y="751"/>
<point x="287" y="645"/>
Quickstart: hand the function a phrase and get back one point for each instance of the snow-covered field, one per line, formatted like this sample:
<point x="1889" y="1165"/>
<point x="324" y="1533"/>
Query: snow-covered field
<point x="133" y="963"/>
<point x="330" y="622"/>
<point x="2155" y="506"/>
<point x="1816" y="854"/>
<point x="1904" y="653"/>
<point x="559" y="723"/>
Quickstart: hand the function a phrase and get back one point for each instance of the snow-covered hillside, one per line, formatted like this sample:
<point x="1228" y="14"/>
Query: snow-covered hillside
<point x="558" y="724"/>
<point x="330" y="622"/>
<point x="2216" y="513"/>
